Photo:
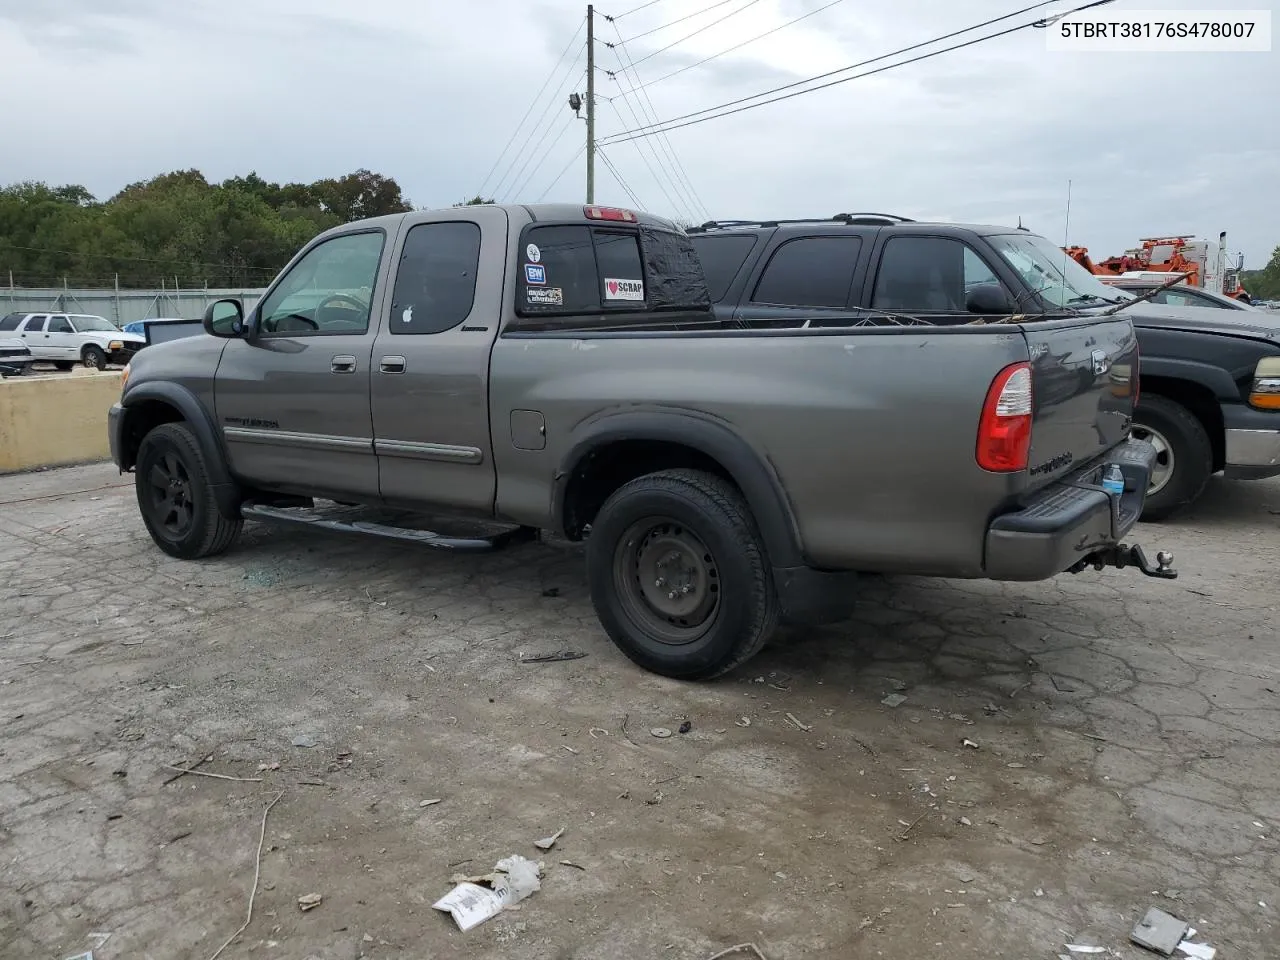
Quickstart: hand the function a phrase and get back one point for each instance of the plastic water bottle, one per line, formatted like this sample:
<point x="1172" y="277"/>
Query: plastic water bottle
<point x="1113" y="479"/>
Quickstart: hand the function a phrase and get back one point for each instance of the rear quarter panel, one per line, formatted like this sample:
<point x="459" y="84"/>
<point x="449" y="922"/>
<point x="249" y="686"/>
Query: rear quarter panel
<point x="871" y="432"/>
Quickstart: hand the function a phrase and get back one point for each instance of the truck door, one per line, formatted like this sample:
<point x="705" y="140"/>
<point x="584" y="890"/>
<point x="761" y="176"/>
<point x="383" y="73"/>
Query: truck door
<point x="804" y="278"/>
<point x="35" y="338"/>
<point x="60" y="339"/>
<point x="292" y="398"/>
<point x="431" y="360"/>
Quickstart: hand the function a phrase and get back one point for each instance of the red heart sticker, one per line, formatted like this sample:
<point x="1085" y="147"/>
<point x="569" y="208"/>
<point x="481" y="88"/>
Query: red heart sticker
<point x="613" y="287"/>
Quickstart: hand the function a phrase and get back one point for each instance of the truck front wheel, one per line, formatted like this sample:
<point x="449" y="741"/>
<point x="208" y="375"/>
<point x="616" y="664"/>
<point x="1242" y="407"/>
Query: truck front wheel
<point x="679" y="576"/>
<point x="175" y="496"/>
<point x="1184" y="454"/>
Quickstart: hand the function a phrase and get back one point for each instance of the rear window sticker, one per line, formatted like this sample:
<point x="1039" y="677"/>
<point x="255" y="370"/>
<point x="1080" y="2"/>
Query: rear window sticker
<point x="545" y="296"/>
<point x="623" y="290"/>
<point x="532" y="253"/>
<point x="535" y="274"/>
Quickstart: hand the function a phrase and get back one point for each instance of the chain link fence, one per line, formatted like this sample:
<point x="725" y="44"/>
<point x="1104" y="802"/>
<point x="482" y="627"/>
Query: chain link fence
<point x="120" y="306"/>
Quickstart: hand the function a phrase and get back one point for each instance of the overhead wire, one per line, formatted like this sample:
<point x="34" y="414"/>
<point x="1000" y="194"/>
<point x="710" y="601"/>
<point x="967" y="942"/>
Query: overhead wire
<point x="670" y="23"/>
<point x="701" y="116"/>
<point x="677" y="207"/>
<point x="626" y="188"/>
<point x="516" y="191"/>
<point x="702" y="29"/>
<point x="680" y="178"/>
<point x="515" y="167"/>
<point x="563" y="171"/>
<point x="736" y="46"/>
<point x="643" y="6"/>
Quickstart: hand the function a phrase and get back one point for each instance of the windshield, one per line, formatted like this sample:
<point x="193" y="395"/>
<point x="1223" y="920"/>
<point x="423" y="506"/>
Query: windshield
<point x="1047" y="270"/>
<point x="85" y="323"/>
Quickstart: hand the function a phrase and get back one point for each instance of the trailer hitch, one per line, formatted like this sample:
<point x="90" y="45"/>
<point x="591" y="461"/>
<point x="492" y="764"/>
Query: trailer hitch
<point x="1122" y="555"/>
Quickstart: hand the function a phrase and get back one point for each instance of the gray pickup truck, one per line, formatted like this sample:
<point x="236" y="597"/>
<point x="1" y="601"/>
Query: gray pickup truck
<point x="559" y="368"/>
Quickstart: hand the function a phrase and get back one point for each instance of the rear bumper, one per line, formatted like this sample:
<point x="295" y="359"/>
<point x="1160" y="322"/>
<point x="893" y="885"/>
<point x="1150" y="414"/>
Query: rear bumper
<point x="1070" y="520"/>
<point x="1252" y="442"/>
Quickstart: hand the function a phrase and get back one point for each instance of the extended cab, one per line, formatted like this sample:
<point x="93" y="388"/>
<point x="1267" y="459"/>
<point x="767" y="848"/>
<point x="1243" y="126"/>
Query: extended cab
<point x="1210" y="379"/>
<point x="559" y="368"/>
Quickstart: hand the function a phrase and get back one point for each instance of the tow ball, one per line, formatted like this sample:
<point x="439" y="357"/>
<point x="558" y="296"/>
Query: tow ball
<point x="1122" y="555"/>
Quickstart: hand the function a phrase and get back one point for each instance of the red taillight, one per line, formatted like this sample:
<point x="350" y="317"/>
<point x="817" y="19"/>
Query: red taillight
<point x="1004" y="433"/>
<point x="609" y="213"/>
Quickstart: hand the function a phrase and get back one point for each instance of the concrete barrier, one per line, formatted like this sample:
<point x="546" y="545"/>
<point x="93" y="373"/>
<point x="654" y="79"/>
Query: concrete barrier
<point x="53" y="420"/>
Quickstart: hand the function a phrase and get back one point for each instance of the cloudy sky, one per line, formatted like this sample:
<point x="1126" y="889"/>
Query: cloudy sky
<point x="104" y="92"/>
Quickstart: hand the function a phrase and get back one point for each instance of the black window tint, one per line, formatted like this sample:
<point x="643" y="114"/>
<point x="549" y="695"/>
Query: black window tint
<point x="11" y="322"/>
<point x="921" y="274"/>
<point x="436" y="280"/>
<point x="558" y="271"/>
<point x="35" y="324"/>
<point x="811" y="272"/>
<point x="621" y="275"/>
<point x="722" y="258"/>
<point x="60" y="325"/>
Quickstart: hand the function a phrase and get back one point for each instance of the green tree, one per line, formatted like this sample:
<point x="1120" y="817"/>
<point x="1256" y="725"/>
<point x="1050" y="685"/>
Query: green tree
<point x="475" y="201"/>
<point x="1264" y="284"/>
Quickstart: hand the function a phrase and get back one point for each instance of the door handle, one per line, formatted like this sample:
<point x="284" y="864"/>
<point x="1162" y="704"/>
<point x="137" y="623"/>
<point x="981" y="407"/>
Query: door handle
<point x="342" y="365"/>
<point x="391" y="365"/>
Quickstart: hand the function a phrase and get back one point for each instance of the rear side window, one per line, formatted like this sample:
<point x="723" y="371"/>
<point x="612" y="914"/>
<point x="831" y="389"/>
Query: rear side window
<point x="722" y="257"/>
<point x="35" y="324"/>
<point x="11" y="322"/>
<point x="810" y="272"/>
<point x="580" y="269"/>
<point x="60" y="325"/>
<point x="436" y="278"/>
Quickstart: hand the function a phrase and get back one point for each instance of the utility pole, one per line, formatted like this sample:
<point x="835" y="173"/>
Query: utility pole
<point x="591" y="103"/>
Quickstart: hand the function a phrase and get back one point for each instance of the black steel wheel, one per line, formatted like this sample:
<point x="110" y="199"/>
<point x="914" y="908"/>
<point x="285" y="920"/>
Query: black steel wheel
<point x="679" y="575"/>
<point x="94" y="358"/>
<point x="1184" y="454"/>
<point x="175" y="497"/>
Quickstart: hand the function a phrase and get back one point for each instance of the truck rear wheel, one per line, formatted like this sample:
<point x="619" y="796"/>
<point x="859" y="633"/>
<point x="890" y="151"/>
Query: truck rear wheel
<point x="679" y="576"/>
<point x="1184" y="454"/>
<point x="175" y="496"/>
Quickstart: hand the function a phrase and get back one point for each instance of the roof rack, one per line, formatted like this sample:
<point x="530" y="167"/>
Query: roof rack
<point x="871" y="218"/>
<point x="859" y="219"/>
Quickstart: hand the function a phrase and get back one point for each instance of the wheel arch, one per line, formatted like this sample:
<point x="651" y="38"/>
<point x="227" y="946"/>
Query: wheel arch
<point x="1199" y="399"/>
<point x="148" y="405"/>
<point x="615" y="448"/>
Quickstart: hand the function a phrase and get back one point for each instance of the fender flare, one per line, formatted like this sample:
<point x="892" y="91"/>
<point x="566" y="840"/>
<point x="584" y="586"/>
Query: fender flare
<point x="1214" y="379"/>
<point x="225" y="488"/>
<point x="749" y="469"/>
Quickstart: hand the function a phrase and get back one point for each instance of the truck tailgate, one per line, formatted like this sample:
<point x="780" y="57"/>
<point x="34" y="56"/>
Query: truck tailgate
<point x="1084" y="382"/>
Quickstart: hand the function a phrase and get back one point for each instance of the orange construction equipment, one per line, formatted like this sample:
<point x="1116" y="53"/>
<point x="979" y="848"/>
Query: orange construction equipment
<point x="1205" y="266"/>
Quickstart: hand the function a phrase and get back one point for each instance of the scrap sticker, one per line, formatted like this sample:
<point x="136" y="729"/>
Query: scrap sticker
<point x="545" y="296"/>
<point x="623" y="290"/>
<point x="532" y="253"/>
<point x="535" y="274"/>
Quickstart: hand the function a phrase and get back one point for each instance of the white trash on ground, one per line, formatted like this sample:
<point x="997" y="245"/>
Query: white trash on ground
<point x="477" y="899"/>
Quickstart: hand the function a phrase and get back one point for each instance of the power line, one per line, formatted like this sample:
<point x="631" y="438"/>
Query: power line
<point x="529" y="154"/>
<point x="736" y="46"/>
<point x="720" y="111"/>
<point x="674" y="205"/>
<point x="517" y="190"/>
<point x="642" y="6"/>
<point x="563" y="171"/>
<point x="727" y="16"/>
<point x="681" y="179"/>
<point x="671" y="23"/>
<point x="532" y="103"/>
<point x="631" y="194"/>
<point x="537" y="124"/>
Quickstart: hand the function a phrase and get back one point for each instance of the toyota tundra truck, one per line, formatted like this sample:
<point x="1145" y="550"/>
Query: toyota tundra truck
<point x="556" y="368"/>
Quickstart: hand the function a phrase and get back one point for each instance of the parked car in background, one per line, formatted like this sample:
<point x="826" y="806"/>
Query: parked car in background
<point x="139" y="327"/>
<point x="1209" y="383"/>
<point x="15" y="358"/>
<point x="69" y="338"/>
<point x="1178" y="296"/>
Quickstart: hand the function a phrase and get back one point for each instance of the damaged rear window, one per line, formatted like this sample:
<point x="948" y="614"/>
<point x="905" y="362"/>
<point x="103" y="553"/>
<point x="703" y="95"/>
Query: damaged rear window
<point x="579" y="269"/>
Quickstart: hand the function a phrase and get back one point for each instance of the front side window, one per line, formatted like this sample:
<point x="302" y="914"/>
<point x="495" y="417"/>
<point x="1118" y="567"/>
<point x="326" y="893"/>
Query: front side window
<point x="436" y="279"/>
<point x="85" y="323"/>
<point x="928" y="275"/>
<point x="328" y="291"/>
<point x="60" y="325"/>
<point x="810" y="272"/>
<point x="580" y="269"/>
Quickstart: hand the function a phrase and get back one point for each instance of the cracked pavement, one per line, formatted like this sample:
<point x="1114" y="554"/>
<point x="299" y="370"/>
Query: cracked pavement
<point x="1126" y="753"/>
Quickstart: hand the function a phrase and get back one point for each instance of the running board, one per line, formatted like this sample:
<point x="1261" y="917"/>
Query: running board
<point x="302" y="517"/>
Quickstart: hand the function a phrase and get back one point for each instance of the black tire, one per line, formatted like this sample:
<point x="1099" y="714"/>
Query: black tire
<point x="63" y="365"/>
<point x="94" y="358"/>
<point x="721" y="567"/>
<point x="176" y="498"/>
<point x="1185" y="454"/>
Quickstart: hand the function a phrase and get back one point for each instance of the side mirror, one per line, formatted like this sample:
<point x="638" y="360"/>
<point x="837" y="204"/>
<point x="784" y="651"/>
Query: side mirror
<point x="224" y="318"/>
<point x="988" y="298"/>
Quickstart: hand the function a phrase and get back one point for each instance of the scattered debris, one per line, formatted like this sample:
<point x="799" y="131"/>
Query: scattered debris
<point x="556" y="657"/>
<point x="598" y="732"/>
<point x="894" y="700"/>
<point x="898" y="685"/>
<point x="182" y="771"/>
<point x="546" y="843"/>
<point x="803" y="726"/>
<point x="570" y="863"/>
<point x="1201" y="951"/>
<point x="903" y="835"/>
<point x="739" y="948"/>
<point x="1084" y="948"/>
<point x="656" y="799"/>
<point x="1039" y="891"/>
<point x="1062" y="684"/>
<point x="686" y="726"/>
<point x="551" y="592"/>
<point x="477" y="899"/>
<point x="662" y="733"/>
<point x="1159" y="931"/>
<point x="87" y="955"/>
<point x="309" y="901"/>
<point x="966" y="742"/>
<point x="305" y="740"/>
<point x="965" y="822"/>
<point x="216" y="776"/>
<point x="744" y="722"/>
<point x="564" y="746"/>
<point x="257" y="874"/>
<point x="431" y="803"/>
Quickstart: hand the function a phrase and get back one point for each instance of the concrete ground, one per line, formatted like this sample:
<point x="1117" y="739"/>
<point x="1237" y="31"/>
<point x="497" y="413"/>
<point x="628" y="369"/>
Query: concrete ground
<point x="1125" y="752"/>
